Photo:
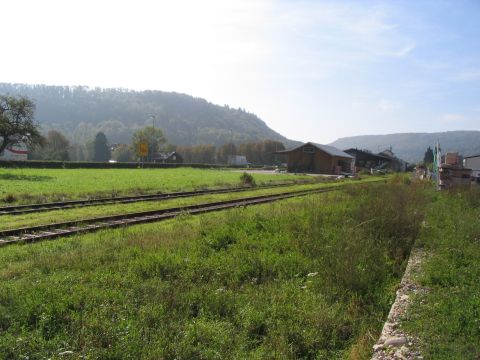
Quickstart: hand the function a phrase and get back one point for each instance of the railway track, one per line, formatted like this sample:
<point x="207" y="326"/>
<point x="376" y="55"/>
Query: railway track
<point x="55" y="230"/>
<point x="62" y="205"/>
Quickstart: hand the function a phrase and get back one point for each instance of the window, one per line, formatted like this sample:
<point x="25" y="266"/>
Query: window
<point x="308" y="149"/>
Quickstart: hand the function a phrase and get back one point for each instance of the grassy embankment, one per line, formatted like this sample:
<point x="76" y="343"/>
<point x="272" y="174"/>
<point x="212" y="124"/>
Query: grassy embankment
<point x="54" y="216"/>
<point x="302" y="278"/>
<point x="447" y="318"/>
<point x="42" y="185"/>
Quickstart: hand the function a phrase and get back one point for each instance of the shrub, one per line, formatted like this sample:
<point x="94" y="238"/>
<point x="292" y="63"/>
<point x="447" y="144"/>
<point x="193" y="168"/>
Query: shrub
<point x="247" y="179"/>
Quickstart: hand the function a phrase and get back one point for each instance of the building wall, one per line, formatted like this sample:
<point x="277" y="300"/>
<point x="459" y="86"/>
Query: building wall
<point x="16" y="152"/>
<point x="366" y="160"/>
<point x="474" y="164"/>
<point x="318" y="162"/>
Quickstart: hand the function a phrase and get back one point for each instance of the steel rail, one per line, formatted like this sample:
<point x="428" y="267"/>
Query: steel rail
<point x="70" y="204"/>
<point x="51" y="231"/>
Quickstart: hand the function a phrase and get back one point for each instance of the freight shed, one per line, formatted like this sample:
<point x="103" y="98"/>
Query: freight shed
<point x="368" y="160"/>
<point x="318" y="159"/>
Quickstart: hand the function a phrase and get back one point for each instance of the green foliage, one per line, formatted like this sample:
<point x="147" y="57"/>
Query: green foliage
<point x="101" y="151"/>
<point x="154" y="139"/>
<point x="259" y="153"/>
<point x="225" y="151"/>
<point x="17" y="122"/>
<point x="82" y="112"/>
<point x="54" y="147"/>
<point x="428" y="157"/>
<point x="262" y="152"/>
<point x="278" y="281"/>
<point x="447" y="317"/>
<point x="203" y="154"/>
<point x="123" y="153"/>
<point x="247" y="179"/>
<point x="40" y="185"/>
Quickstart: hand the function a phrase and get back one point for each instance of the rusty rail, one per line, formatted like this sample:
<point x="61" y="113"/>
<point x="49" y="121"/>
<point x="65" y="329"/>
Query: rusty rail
<point x="55" y="230"/>
<point x="62" y="205"/>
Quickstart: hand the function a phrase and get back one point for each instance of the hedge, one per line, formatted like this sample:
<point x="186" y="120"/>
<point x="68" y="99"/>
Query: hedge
<point x="106" y="165"/>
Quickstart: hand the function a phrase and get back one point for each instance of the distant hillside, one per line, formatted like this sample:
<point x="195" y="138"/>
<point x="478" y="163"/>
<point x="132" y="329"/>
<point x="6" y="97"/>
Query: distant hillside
<point x="412" y="146"/>
<point x="80" y="112"/>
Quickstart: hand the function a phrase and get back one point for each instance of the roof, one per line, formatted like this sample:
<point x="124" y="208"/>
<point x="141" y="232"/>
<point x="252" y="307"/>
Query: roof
<point x="165" y="156"/>
<point x="471" y="156"/>
<point x="331" y="150"/>
<point x="369" y="153"/>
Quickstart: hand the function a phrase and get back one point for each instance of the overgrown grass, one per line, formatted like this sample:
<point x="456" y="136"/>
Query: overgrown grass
<point x="55" y="216"/>
<point x="447" y="318"/>
<point x="303" y="278"/>
<point x="41" y="185"/>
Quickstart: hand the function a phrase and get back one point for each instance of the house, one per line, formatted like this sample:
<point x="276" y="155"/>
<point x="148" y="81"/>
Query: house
<point x="453" y="176"/>
<point x="168" y="158"/>
<point x="368" y="160"/>
<point x="318" y="159"/>
<point x="386" y="160"/>
<point x="473" y="162"/>
<point x="394" y="163"/>
<point x="18" y="151"/>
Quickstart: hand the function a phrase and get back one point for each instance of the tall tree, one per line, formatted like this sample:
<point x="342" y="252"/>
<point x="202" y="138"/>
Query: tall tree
<point x="101" y="151"/>
<point x="225" y="151"/>
<point x="269" y="147"/>
<point x="16" y="122"/>
<point x="154" y="139"/>
<point x="428" y="157"/>
<point x="122" y="153"/>
<point x="77" y="152"/>
<point x="54" y="146"/>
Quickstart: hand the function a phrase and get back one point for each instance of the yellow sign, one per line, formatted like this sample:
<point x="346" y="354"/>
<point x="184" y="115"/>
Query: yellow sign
<point x="143" y="149"/>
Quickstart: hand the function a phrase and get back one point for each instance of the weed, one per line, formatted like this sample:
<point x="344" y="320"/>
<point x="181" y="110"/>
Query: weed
<point x="10" y="198"/>
<point x="247" y="179"/>
<point x="303" y="278"/>
<point x="446" y="318"/>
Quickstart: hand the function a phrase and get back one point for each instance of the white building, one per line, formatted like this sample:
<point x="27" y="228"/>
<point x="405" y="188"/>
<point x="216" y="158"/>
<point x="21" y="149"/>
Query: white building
<point x="237" y="160"/>
<point x="16" y="152"/>
<point x="473" y="162"/>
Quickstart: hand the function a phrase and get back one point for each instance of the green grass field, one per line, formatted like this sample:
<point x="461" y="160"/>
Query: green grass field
<point x="447" y="318"/>
<point x="54" y="216"/>
<point x="41" y="185"/>
<point x="304" y="278"/>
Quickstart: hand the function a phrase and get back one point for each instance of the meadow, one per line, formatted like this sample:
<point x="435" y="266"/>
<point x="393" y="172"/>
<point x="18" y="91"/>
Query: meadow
<point x="447" y="317"/>
<point x="54" y="216"/>
<point x="42" y="185"/>
<point x="297" y="279"/>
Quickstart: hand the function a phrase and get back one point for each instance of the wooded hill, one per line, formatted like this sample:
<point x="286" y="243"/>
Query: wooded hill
<point x="412" y="146"/>
<point x="81" y="112"/>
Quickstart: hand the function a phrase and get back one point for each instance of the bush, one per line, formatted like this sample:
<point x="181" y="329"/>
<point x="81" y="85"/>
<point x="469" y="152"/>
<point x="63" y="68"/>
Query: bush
<point x="247" y="179"/>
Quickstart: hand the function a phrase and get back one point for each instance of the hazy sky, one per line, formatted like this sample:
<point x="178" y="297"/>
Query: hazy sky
<point x="312" y="70"/>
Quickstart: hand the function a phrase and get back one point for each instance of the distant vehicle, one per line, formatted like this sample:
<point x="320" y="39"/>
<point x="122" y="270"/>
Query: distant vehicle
<point x="15" y="152"/>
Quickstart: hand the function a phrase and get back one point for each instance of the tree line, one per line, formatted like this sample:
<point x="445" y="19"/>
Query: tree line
<point x="81" y="113"/>
<point x="17" y="125"/>
<point x="56" y="146"/>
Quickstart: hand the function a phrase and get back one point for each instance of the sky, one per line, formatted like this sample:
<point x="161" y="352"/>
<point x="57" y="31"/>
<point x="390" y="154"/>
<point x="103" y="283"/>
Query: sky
<point x="312" y="70"/>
